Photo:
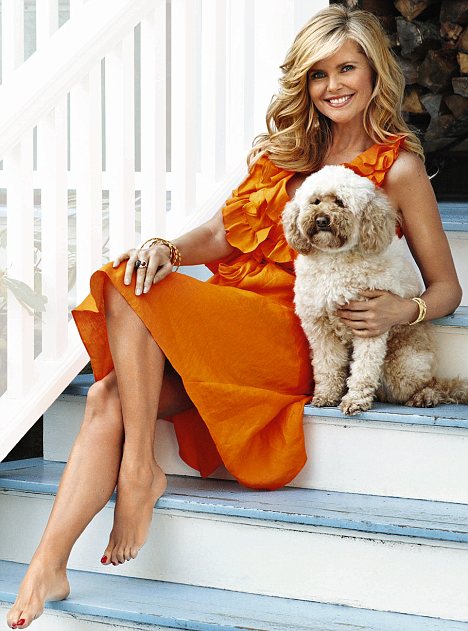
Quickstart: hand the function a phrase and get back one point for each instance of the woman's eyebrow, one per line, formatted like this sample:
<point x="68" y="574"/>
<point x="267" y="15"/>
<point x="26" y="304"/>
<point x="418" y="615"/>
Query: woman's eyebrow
<point x="345" y="63"/>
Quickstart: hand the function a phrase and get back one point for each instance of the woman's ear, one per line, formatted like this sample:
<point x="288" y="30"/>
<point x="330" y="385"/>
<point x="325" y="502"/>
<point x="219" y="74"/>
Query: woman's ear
<point x="378" y="224"/>
<point x="291" y="230"/>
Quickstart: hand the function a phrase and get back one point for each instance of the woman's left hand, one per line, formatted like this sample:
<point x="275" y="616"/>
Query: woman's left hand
<point x="377" y="314"/>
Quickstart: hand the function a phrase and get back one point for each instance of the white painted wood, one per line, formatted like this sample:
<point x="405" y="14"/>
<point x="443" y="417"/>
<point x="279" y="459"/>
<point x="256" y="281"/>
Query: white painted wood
<point x="37" y="85"/>
<point x="47" y="21"/>
<point x="12" y="37"/>
<point x="274" y="22"/>
<point x="50" y="379"/>
<point x="452" y="351"/>
<point x="213" y="90"/>
<point x="184" y="54"/>
<point x="52" y="164"/>
<point x="348" y="455"/>
<point x="61" y="621"/>
<point x="20" y="266"/>
<point x="240" y="81"/>
<point x="75" y="7"/>
<point x="304" y="10"/>
<point x="86" y="162"/>
<point x="459" y="245"/>
<point x="382" y="572"/>
<point x="120" y="147"/>
<point x="153" y="128"/>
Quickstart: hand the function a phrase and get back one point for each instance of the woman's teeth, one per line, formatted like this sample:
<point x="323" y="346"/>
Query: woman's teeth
<point x="340" y="100"/>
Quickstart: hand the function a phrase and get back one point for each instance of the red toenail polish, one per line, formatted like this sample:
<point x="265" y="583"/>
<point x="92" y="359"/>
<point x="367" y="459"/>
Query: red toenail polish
<point x="104" y="559"/>
<point x="20" y="622"/>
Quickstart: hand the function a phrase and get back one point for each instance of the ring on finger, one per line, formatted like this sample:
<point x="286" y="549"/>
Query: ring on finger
<point x="140" y="263"/>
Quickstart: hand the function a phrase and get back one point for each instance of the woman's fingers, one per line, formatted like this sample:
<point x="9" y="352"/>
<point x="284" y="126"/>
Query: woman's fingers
<point x="153" y="267"/>
<point x="120" y="258"/>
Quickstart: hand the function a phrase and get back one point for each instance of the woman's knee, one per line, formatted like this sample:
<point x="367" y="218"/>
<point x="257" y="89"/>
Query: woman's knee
<point x="114" y="302"/>
<point x="103" y="396"/>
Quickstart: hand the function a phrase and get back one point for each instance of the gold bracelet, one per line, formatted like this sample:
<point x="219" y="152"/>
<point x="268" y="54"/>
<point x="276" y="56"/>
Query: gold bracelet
<point x="174" y="253"/>
<point x="422" y="310"/>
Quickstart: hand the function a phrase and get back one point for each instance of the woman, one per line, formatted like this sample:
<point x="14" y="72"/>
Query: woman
<point x="234" y="347"/>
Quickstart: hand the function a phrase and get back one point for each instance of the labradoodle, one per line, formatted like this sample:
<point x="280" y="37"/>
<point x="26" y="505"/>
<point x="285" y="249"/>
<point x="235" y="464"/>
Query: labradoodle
<point x="343" y="228"/>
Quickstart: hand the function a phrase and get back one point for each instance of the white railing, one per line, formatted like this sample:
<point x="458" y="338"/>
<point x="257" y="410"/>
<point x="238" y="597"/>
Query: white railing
<point x="91" y="161"/>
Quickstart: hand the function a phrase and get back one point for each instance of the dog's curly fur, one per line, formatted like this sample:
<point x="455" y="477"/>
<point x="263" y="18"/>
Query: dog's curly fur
<point x="343" y="228"/>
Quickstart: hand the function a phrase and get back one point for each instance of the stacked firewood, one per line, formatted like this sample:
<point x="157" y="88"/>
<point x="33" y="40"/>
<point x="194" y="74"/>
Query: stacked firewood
<point x="430" y="39"/>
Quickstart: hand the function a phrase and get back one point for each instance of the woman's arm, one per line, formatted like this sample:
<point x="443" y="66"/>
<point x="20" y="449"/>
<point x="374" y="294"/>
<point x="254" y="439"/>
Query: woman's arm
<point x="410" y="190"/>
<point x="204" y="244"/>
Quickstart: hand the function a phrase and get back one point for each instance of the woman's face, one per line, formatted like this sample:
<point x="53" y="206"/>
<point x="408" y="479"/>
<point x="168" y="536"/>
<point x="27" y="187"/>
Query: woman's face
<point x="340" y="86"/>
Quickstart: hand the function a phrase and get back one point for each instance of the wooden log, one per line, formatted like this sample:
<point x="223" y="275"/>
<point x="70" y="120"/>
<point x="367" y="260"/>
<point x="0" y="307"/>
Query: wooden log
<point x="463" y="40"/>
<point x="440" y="127"/>
<point x="410" y="70"/>
<point x="412" y="101"/>
<point x="379" y="7"/>
<point x="416" y="38"/>
<point x="437" y="70"/>
<point x="432" y="103"/>
<point x="455" y="11"/>
<point x="458" y="105"/>
<point x="450" y="34"/>
<point x="460" y="85"/>
<point x="410" y="9"/>
<point x="462" y="59"/>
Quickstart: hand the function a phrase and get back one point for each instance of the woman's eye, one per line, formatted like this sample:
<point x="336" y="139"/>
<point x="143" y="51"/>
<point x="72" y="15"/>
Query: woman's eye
<point x="316" y="75"/>
<point x="348" y="66"/>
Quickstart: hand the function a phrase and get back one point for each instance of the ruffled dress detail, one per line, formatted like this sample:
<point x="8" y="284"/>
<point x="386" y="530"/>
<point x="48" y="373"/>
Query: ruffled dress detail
<point x="234" y="339"/>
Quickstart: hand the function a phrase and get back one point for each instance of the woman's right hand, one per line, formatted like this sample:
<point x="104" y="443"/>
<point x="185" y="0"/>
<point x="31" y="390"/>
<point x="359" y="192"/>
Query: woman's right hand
<point x="157" y="265"/>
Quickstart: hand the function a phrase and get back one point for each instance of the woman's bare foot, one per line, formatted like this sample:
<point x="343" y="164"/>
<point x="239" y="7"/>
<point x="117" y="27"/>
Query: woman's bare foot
<point x="138" y="489"/>
<point x="42" y="582"/>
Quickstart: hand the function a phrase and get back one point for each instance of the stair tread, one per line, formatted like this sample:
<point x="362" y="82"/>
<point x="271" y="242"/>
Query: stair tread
<point x="196" y="608"/>
<point x="454" y="215"/>
<point x="440" y="521"/>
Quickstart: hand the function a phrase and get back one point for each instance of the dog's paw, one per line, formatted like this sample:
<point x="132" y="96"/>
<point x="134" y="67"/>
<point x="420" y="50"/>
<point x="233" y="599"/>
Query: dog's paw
<point x="323" y="400"/>
<point x="351" y="405"/>
<point x="426" y="398"/>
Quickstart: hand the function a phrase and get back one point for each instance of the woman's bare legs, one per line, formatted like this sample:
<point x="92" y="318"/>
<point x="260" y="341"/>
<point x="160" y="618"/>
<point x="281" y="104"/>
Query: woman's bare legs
<point x="87" y="484"/>
<point x="139" y="368"/>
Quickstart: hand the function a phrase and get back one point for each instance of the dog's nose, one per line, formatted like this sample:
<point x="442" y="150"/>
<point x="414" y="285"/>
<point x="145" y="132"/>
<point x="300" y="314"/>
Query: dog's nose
<point x="322" y="221"/>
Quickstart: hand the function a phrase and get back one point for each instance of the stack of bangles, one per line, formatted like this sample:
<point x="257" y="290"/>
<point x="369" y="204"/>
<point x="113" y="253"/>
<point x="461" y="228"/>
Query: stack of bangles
<point x="174" y="254"/>
<point x="422" y="310"/>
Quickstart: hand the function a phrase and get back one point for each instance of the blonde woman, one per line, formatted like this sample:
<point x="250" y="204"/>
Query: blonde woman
<point x="226" y="360"/>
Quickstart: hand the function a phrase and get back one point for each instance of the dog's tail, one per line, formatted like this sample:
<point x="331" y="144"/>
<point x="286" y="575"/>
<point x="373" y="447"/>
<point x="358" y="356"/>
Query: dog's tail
<point x="440" y="390"/>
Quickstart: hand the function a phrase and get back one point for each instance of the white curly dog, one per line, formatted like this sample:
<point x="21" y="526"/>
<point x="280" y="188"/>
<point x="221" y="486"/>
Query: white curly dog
<point x="343" y="228"/>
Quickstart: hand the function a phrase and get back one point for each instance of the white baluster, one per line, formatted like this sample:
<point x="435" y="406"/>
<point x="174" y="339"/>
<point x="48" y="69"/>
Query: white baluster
<point x="47" y="20"/>
<point x="274" y="22"/>
<point x="12" y="36"/>
<point x="52" y="168"/>
<point x="153" y="122"/>
<point x="213" y="91"/>
<point x="120" y="158"/>
<point x="240" y="81"/>
<point x="75" y="7"/>
<point x="20" y="265"/>
<point x="184" y="106"/>
<point x="86" y="166"/>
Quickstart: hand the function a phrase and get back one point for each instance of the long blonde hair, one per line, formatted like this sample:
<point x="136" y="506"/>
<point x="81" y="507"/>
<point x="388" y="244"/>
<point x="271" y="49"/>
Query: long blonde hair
<point x="299" y="136"/>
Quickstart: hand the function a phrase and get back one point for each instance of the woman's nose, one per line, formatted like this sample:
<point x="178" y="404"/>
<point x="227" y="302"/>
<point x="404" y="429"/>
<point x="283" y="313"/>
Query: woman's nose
<point x="334" y="83"/>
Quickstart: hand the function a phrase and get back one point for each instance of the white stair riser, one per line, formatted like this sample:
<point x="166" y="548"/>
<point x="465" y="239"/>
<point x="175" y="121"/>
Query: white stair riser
<point x="62" y="621"/>
<point x="459" y="245"/>
<point x="452" y="351"/>
<point x="346" y="455"/>
<point x="320" y="564"/>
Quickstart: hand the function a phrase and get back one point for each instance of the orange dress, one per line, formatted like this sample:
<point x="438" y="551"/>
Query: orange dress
<point x="234" y="339"/>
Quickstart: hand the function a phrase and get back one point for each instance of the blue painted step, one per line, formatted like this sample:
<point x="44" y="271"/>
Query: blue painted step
<point x="454" y="216"/>
<point x="178" y="606"/>
<point x="436" y="521"/>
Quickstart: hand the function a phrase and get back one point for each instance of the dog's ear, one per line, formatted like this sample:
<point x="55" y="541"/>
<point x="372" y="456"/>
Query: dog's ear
<point x="291" y="230"/>
<point x="378" y="224"/>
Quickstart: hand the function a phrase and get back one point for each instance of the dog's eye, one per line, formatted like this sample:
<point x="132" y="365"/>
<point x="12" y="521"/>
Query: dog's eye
<point x="316" y="201"/>
<point x="339" y="203"/>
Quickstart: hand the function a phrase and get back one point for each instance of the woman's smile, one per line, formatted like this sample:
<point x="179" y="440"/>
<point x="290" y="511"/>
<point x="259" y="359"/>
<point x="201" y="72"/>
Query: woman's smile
<point x="339" y="101"/>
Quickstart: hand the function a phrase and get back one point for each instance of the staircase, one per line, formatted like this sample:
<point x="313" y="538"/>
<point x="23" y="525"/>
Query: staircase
<point x="371" y="535"/>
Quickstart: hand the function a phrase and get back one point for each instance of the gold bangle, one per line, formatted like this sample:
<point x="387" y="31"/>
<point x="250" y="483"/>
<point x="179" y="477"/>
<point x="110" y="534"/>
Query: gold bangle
<point x="174" y="253"/>
<point x="422" y="310"/>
